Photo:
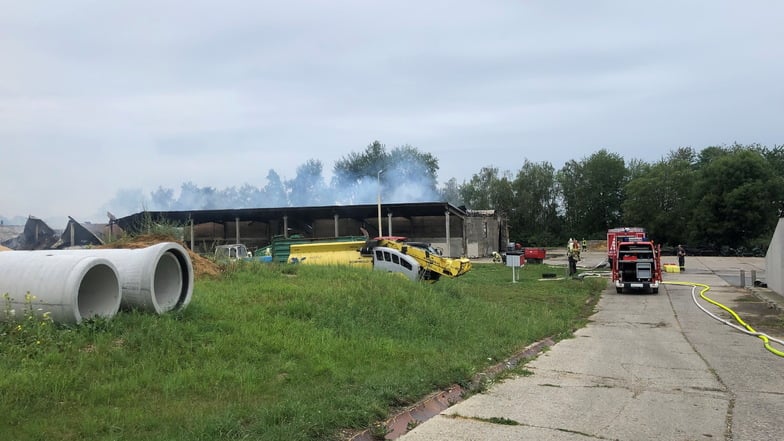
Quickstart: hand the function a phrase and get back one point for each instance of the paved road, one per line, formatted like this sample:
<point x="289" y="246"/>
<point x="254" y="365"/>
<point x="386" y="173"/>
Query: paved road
<point x="648" y="367"/>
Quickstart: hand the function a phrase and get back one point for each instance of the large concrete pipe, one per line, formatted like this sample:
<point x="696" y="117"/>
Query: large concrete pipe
<point x="158" y="278"/>
<point x="68" y="287"/>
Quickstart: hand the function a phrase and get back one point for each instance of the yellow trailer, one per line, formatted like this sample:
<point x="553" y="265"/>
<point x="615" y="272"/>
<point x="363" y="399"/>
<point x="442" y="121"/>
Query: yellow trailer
<point x="330" y="253"/>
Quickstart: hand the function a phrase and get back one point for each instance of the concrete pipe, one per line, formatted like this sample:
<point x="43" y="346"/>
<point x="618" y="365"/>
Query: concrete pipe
<point x="68" y="287"/>
<point x="158" y="278"/>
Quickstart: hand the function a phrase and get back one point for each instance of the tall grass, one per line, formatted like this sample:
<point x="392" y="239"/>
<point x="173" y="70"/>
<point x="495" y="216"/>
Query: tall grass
<point x="272" y="352"/>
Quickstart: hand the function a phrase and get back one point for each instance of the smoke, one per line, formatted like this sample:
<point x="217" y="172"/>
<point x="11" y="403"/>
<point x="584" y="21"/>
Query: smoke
<point x="402" y="181"/>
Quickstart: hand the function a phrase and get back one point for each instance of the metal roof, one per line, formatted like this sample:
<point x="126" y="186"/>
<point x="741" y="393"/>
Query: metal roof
<point x="367" y="211"/>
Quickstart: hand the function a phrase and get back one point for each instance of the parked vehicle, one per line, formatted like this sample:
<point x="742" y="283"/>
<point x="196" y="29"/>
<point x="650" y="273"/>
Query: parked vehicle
<point x="622" y="234"/>
<point x="232" y="252"/>
<point x="636" y="265"/>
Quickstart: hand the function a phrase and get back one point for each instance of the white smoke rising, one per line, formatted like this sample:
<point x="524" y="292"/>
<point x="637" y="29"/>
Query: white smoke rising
<point x="402" y="182"/>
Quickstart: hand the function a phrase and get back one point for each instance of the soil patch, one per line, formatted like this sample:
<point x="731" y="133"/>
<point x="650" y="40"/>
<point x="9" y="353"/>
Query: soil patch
<point x="760" y="315"/>
<point x="202" y="267"/>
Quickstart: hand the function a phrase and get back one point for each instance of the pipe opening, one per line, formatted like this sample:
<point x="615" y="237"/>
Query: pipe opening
<point x="168" y="282"/>
<point x="99" y="292"/>
<point x="185" y="276"/>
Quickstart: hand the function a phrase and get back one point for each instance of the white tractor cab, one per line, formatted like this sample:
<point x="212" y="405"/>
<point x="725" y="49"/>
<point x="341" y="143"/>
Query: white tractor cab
<point x="231" y="253"/>
<point x="415" y="260"/>
<point x="393" y="261"/>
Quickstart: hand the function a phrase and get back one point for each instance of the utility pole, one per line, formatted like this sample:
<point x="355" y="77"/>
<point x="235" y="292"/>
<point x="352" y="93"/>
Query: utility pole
<point x="380" y="232"/>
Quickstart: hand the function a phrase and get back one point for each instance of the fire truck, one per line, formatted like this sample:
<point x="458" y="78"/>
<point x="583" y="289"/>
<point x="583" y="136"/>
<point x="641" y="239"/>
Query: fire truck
<point x="622" y="234"/>
<point x="636" y="265"/>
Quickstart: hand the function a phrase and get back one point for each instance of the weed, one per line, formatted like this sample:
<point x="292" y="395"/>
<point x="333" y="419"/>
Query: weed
<point x="501" y="420"/>
<point x="379" y="430"/>
<point x="29" y="332"/>
<point x="148" y="225"/>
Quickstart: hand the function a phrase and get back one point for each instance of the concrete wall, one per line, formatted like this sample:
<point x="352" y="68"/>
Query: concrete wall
<point x="774" y="260"/>
<point x="482" y="235"/>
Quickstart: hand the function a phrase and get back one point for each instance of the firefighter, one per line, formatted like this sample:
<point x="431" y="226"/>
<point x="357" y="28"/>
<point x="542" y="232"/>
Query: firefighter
<point x="573" y="255"/>
<point x="681" y="258"/>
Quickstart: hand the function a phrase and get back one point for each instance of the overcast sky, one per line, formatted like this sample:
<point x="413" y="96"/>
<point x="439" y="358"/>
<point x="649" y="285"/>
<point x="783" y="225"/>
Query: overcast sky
<point x="99" y="96"/>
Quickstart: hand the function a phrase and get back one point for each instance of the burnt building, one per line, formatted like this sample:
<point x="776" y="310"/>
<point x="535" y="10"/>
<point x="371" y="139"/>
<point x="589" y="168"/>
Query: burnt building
<point x="447" y="227"/>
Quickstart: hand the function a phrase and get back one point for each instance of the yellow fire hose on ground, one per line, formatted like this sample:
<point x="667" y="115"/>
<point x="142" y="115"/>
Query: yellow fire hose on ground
<point x="745" y="328"/>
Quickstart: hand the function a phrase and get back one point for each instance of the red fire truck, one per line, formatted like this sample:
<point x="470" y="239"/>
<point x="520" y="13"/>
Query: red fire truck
<point x="636" y="265"/>
<point x="622" y="234"/>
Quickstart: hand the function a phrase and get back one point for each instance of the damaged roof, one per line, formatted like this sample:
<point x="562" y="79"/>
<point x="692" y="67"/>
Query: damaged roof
<point x="366" y="211"/>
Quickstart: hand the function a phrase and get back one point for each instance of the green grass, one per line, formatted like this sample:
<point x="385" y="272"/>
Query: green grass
<point x="271" y="352"/>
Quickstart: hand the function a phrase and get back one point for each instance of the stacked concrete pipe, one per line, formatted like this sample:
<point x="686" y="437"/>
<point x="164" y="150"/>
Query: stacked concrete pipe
<point x="67" y="288"/>
<point x="158" y="278"/>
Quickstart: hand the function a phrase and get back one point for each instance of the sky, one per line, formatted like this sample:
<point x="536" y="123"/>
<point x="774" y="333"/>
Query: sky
<point x="101" y="97"/>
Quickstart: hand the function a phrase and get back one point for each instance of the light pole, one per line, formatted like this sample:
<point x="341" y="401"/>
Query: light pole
<point x="380" y="232"/>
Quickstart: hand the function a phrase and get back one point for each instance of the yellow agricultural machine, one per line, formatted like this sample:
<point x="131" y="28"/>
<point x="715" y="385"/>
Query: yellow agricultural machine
<point x="415" y="260"/>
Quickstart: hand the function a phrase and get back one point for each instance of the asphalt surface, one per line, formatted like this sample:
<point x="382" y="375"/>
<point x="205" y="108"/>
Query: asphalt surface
<point x="647" y="367"/>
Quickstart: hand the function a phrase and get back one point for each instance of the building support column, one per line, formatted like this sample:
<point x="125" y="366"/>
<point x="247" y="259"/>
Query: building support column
<point x="448" y="238"/>
<point x="389" y="223"/>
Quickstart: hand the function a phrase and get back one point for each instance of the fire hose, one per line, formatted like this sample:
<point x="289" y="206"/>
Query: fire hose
<point x="743" y="327"/>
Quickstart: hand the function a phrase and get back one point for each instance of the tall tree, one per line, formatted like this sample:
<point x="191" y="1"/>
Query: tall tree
<point x="249" y="196"/>
<point x="535" y="217"/>
<point x="735" y="193"/>
<point x="410" y="164"/>
<point x="308" y="187"/>
<point x="450" y="192"/>
<point x="352" y="168"/>
<point x="275" y="192"/>
<point x="193" y="197"/>
<point x="162" y="199"/>
<point x="660" y="198"/>
<point x="405" y="174"/>
<point x="593" y="193"/>
<point x="477" y="193"/>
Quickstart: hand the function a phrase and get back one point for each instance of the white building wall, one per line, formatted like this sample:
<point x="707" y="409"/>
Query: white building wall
<point x="774" y="260"/>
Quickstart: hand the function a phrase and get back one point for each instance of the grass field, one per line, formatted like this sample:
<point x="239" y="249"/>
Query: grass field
<point x="275" y="352"/>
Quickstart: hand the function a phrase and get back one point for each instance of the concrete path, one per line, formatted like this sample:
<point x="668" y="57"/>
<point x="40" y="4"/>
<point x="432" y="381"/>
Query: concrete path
<point x="648" y="367"/>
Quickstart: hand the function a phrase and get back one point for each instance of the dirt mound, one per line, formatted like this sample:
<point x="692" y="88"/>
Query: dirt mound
<point x="201" y="266"/>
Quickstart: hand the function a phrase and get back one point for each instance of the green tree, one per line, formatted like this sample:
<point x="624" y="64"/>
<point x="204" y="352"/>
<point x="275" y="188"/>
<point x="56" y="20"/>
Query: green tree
<point x="275" y="191"/>
<point x="308" y="186"/>
<point x="534" y="219"/>
<point x="736" y="194"/>
<point x="350" y="169"/>
<point x="775" y="157"/>
<point x="405" y="166"/>
<point x="477" y="193"/>
<point x="659" y="198"/>
<point x="162" y="199"/>
<point x="450" y="192"/>
<point x="592" y="193"/>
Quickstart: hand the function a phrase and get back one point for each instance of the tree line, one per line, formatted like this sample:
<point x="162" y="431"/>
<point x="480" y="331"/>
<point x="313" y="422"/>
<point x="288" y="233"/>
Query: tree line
<point x="725" y="199"/>
<point x="720" y="197"/>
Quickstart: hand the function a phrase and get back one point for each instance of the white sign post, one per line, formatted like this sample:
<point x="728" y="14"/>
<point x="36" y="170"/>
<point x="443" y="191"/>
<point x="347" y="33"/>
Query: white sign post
<point x="515" y="261"/>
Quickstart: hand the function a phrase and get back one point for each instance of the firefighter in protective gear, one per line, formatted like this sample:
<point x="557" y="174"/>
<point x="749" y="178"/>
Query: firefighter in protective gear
<point x="573" y="255"/>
